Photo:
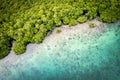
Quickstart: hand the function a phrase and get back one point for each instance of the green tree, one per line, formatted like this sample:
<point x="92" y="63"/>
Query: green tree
<point x="19" y="47"/>
<point x="38" y="38"/>
<point x="82" y="19"/>
<point x="65" y="20"/>
<point x="4" y="45"/>
<point x="57" y="21"/>
<point x="72" y="22"/>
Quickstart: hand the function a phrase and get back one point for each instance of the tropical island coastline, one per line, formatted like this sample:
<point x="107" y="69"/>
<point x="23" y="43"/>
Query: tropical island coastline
<point x="32" y="21"/>
<point x="59" y="40"/>
<point x="66" y="31"/>
<point x="79" y="50"/>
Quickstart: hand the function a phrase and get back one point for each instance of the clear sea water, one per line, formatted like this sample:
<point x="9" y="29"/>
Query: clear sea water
<point x="76" y="57"/>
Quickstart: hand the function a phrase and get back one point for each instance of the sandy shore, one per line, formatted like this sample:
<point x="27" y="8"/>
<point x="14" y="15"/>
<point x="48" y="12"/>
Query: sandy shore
<point x="78" y="51"/>
<point x="66" y="32"/>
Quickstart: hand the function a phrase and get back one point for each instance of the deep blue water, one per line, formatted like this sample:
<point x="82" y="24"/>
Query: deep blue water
<point x="78" y="57"/>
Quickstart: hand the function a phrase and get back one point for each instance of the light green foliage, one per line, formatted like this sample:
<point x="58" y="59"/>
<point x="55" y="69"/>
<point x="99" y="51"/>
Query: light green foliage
<point x="72" y="22"/>
<point x="82" y="19"/>
<point x="65" y="20"/>
<point x="91" y="24"/>
<point x="26" y="21"/>
<point x="57" y="21"/>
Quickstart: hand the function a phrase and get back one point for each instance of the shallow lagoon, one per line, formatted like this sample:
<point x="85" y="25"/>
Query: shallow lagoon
<point x="83" y="56"/>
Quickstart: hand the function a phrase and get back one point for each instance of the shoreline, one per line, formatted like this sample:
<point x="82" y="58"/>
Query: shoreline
<point x="66" y="31"/>
<point x="85" y="47"/>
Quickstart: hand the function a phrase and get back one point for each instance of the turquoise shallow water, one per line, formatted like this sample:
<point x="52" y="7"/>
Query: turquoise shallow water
<point x="76" y="57"/>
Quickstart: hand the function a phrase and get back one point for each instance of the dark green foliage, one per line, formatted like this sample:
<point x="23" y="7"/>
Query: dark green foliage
<point x="19" y="47"/>
<point x="26" y="21"/>
<point x="38" y="37"/>
<point x="109" y="11"/>
<point x="4" y="45"/>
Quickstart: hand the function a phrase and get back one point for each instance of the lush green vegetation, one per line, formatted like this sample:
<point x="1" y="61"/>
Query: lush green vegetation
<point x="29" y="21"/>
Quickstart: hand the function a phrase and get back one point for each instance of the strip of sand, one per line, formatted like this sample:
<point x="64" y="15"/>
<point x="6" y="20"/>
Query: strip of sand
<point x="66" y="31"/>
